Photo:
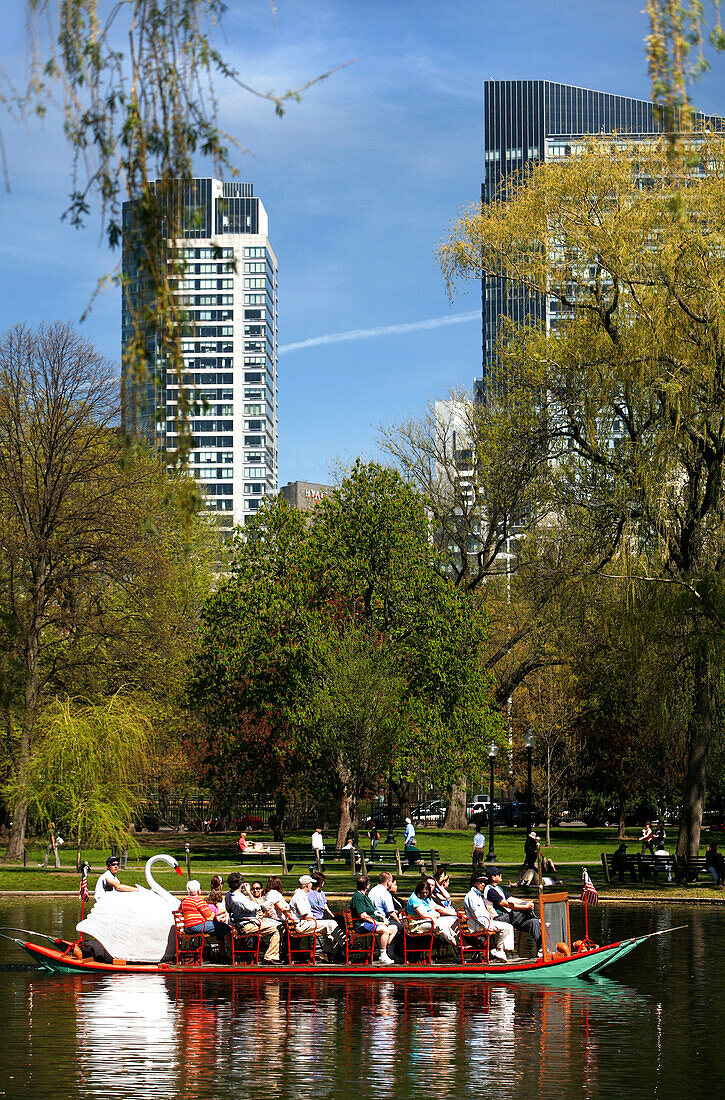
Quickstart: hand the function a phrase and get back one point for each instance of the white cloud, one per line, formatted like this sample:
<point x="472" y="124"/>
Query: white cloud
<point x="383" y="330"/>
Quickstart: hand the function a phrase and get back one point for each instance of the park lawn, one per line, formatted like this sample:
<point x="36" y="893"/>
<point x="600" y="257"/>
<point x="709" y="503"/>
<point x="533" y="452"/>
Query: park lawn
<point x="216" y="854"/>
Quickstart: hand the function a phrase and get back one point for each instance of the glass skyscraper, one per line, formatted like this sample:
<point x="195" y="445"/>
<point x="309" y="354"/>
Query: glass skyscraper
<point x="520" y="117"/>
<point x="229" y="292"/>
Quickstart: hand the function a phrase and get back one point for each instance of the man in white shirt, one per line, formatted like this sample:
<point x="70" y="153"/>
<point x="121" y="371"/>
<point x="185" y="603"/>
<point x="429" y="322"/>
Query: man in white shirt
<point x="482" y="917"/>
<point x="318" y="848"/>
<point x="479" y="846"/>
<point x="107" y="882"/>
<point x="301" y="913"/>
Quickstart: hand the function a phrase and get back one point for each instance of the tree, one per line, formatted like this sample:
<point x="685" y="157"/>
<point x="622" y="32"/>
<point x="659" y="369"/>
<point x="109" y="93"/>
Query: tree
<point x="88" y="538"/>
<point x="355" y="716"/>
<point x="360" y="584"/>
<point x="86" y="769"/>
<point x="625" y="238"/>
<point x="548" y="706"/>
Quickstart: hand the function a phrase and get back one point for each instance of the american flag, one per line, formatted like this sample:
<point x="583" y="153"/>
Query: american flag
<point x="83" y="888"/>
<point x="589" y="893"/>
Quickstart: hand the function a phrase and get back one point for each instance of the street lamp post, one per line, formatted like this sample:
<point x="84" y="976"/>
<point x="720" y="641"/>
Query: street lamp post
<point x="492" y="754"/>
<point x="390" y="838"/>
<point x="529" y="742"/>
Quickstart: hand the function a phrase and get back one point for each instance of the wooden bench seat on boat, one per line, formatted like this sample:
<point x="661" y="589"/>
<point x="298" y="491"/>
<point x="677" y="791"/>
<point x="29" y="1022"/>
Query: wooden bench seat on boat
<point x="474" y="946"/>
<point x="417" y="944"/>
<point x="359" y="944"/>
<point x="189" y="945"/>
<point x="301" y="946"/>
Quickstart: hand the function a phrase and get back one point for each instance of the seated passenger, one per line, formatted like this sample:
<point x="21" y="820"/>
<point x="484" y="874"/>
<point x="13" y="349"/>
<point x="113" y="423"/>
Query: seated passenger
<point x="246" y="913"/>
<point x="439" y="884"/>
<point x="482" y="917"/>
<point x="300" y="910"/>
<point x="517" y="911"/>
<point x="198" y="914"/>
<point x="215" y="898"/>
<point x="363" y="910"/>
<point x="715" y="864"/>
<point x="425" y="914"/>
<point x="273" y="901"/>
<point x="382" y="896"/>
<point x="321" y="910"/>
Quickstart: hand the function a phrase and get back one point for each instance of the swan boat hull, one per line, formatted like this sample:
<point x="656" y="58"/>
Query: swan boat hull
<point x="557" y="970"/>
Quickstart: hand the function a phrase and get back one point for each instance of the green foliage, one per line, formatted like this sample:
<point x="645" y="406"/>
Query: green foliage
<point x="86" y="770"/>
<point x="359" y="588"/>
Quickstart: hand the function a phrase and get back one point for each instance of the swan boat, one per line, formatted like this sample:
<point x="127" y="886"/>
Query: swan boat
<point x="559" y="963"/>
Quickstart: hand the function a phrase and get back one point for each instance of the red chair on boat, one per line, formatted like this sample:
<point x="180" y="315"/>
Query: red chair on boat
<point x="417" y="941"/>
<point x="472" y="943"/>
<point x="245" y="944"/>
<point x="359" y="944"/>
<point x="301" y="946"/>
<point x="189" y="945"/>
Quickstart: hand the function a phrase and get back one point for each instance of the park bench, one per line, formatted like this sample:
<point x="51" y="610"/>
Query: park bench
<point x="632" y="867"/>
<point x="270" y="849"/>
<point x="642" y="868"/>
<point x="688" y="870"/>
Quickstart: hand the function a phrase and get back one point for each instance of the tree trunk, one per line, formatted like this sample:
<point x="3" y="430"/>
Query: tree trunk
<point x="456" y="812"/>
<point x="548" y="797"/>
<point x="16" y="847"/>
<point x="622" y="822"/>
<point x="347" y="817"/>
<point x="401" y="790"/>
<point x="693" y="800"/>
<point x="277" y="820"/>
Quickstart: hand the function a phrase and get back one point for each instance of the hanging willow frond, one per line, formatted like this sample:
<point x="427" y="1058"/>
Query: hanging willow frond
<point x="134" y="80"/>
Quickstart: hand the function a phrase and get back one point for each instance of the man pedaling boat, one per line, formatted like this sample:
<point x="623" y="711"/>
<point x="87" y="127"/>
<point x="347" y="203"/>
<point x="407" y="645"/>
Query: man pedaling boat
<point x="517" y="911"/>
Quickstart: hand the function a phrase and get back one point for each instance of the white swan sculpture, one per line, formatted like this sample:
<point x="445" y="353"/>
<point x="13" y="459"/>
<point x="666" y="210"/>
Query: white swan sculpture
<point x="136" y="926"/>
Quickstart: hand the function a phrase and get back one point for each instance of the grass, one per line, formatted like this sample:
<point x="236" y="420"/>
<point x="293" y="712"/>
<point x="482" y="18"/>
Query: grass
<point x="216" y="854"/>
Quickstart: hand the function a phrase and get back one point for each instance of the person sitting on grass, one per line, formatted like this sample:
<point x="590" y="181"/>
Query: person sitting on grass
<point x="424" y="914"/>
<point x="363" y="911"/>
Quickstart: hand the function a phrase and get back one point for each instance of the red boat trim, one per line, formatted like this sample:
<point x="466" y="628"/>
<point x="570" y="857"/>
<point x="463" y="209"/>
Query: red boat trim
<point x="93" y="966"/>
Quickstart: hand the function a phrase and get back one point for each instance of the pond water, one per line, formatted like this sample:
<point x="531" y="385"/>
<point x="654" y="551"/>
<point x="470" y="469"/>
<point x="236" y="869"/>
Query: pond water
<point x="654" y="1028"/>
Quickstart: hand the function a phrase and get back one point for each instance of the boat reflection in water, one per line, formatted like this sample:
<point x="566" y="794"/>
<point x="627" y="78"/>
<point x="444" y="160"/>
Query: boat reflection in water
<point x="148" y="1035"/>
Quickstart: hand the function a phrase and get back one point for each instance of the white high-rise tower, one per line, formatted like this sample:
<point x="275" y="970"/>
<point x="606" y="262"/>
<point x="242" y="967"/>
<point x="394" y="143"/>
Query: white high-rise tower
<point x="230" y="355"/>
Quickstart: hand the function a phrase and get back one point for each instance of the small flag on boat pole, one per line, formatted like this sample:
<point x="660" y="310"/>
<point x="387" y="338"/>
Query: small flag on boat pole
<point x="589" y="893"/>
<point x="83" y="888"/>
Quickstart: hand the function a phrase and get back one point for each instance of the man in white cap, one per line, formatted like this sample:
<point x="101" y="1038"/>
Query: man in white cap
<point x="301" y="913"/>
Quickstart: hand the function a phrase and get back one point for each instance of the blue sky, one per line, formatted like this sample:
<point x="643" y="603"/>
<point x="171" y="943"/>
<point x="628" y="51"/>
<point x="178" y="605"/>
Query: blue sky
<point x="360" y="182"/>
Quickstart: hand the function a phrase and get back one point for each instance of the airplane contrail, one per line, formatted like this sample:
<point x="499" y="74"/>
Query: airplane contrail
<point x="384" y="330"/>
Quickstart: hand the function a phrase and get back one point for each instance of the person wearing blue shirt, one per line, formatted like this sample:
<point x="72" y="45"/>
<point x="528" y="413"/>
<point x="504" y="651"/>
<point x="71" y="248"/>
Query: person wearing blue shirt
<point x="425" y="914"/>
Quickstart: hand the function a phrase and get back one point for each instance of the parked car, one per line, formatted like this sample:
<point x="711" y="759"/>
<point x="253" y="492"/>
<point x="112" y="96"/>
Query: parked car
<point x="429" y="813"/>
<point x="478" y="809"/>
